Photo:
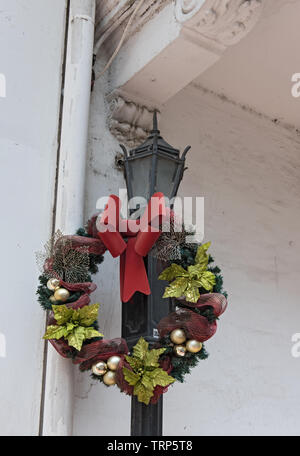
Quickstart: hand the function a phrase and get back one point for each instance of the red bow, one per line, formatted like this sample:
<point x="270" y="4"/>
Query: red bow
<point x="141" y="235"/>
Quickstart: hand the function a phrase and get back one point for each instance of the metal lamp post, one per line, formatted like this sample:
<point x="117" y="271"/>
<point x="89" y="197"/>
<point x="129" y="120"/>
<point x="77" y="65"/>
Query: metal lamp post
<point x="154" y="166"/>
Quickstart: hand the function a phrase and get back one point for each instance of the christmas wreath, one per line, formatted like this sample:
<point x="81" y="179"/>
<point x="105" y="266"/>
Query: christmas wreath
<point x="195" y="286"/>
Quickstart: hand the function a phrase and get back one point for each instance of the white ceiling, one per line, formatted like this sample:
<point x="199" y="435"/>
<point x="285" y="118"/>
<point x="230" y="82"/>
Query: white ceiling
<point x="257" y="72"/>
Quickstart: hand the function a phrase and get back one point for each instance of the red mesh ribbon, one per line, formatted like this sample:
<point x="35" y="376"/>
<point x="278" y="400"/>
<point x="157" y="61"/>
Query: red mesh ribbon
<point x="61" y="347"/>
<point x="93" y="245"/>
<point x="128" y="389"/>
<point x="215" y="300"/>
<point x="195" y="326"/>
<point x="100" y="350"/>
<point x="141" y="236"/>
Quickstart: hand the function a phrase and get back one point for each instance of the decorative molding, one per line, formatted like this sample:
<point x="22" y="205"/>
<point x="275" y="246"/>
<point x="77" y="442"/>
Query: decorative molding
<point x="129" y="121"/>
<point x="113" y="15"/>
<point x="185" y="9"/>
<point x="220" y="22"/>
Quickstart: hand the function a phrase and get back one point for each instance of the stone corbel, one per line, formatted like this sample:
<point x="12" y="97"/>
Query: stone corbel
<point x="129" y="121"/>
<point x="170" y="45"/>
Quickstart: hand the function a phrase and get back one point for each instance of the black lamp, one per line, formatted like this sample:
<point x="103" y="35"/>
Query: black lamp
<point x="154" y="166"/>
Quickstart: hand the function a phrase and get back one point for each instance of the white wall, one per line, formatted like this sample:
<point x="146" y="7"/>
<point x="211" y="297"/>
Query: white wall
<point x="247" y="169"/>
<point x="31" y="44"/>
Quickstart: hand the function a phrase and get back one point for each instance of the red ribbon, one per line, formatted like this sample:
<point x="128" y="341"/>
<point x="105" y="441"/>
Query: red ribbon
<point x="141" y="235"/>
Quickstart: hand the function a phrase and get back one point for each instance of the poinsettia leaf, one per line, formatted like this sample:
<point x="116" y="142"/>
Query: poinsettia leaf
<point x="192" y="293"/>
<point x="55" y="332"/>
<point x="140" y="349"/>
<point x="143" y="394"/>
<point x="91" y="332"/>
<point x="160" y="377"/>
<point x="88" y="314"/>
<point x="152" y="357"/>
<point x="131" y="377"/>
<point x="201" y="255"/>
<point x="196" y="270"/>
<point x="62" y="314"/>
<point x="147" y="382"/>
<point x="134" y="362"/>
<point x="176" y="288"/>
<point x="76" y="337"/>
<point x="75" y="316"/>
<point x="69" y="326"/>
<point x="208" y="280"/>
<point x="172" y="272"/>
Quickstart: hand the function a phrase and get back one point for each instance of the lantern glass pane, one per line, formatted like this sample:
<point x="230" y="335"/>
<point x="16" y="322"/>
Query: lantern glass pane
<point x="141" y="176"/>
<point x="166" y="172"/>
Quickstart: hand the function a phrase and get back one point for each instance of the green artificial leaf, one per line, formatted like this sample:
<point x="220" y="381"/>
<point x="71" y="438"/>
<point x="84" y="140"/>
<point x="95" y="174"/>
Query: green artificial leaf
<point x="145" y="373"/>
<point x="172" y="272"/>
<point x="88" y="314"/>
<point x="62" y="314"/>
<point x="55" y="332"/>
<point x="201" y="255"/>
<point x="143" y="394"/>
<point x="196" y="270"/>
<point x="160" y="377"/>
<point x="70" y="326"/>
<point x="92" y="332"/>
<point x="187" y="283"/>
<point x="73" y="324"/>
<point x="76" y="337"/>
<point x="131" y="377"/>
<point x="147" y="382"/>
<point x="135" y="363"/>
<point x="192" y="293"/>
<point x="152" y="357"/>
<point x="176" y="288"/>
<point x="140" y="349"/>
<point x="208" y="280"/>
<point x="76" y="316"/>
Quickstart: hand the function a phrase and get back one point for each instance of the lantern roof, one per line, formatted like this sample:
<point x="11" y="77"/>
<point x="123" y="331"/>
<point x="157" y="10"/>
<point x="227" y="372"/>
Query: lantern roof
<point x="155" y="143"/>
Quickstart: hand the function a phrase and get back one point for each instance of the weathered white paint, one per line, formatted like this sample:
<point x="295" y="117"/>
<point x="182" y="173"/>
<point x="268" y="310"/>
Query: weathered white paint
<point x="31" y="42"/>
<point x="247" y="169"/>
<point x="58" y="412"/>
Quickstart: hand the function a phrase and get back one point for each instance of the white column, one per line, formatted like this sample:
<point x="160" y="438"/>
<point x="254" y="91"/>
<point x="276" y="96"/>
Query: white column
<point x="59" y="392"/>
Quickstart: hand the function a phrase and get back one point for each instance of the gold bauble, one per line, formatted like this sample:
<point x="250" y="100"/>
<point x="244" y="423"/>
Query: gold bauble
<point x="193" y="346"/>
<point x="52" y="298"/>
<point x="109" y="378"/>
<point x="179" y="350"/>
<point x="177" y="336"/>
<point x="61" y="294"/>
<point x="113" y="362"/>
<point x="99" y="368"/>
<point x="53" y="284"/>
